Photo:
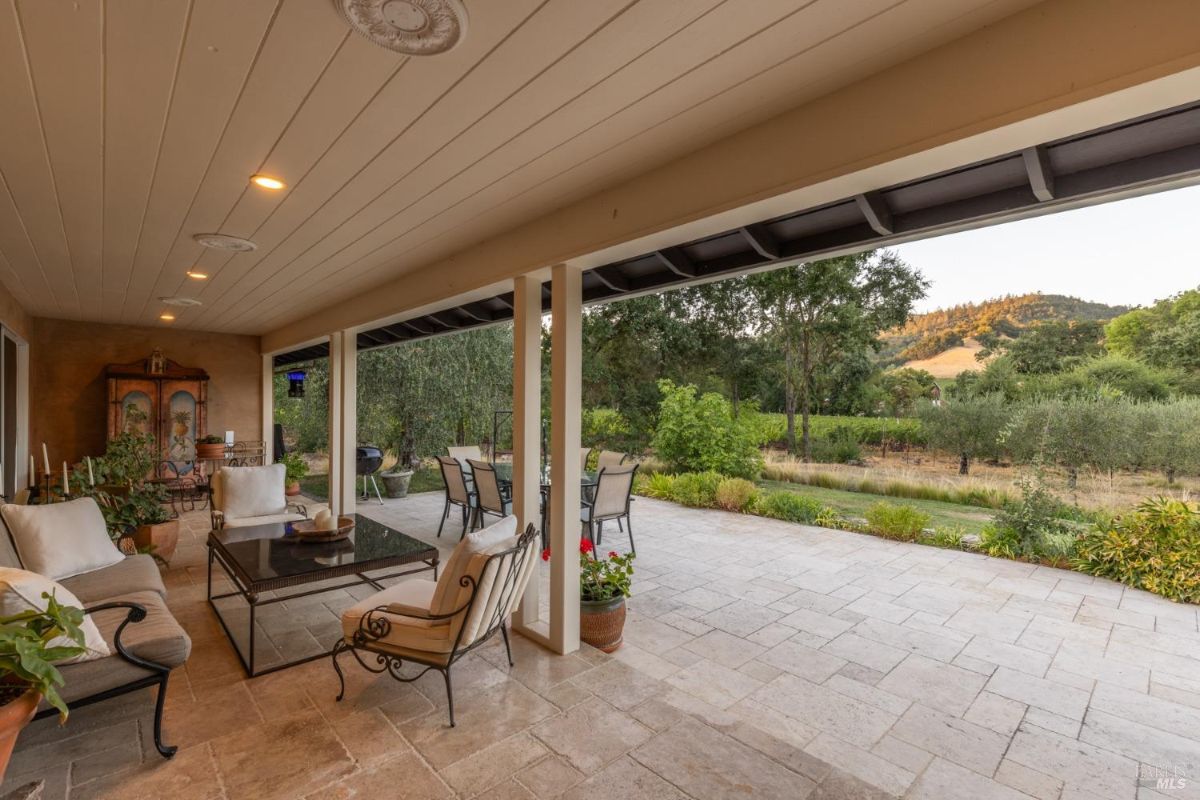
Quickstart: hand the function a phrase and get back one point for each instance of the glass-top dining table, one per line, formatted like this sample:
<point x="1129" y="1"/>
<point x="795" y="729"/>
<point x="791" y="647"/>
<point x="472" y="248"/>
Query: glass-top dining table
<point x="504" y="472"/>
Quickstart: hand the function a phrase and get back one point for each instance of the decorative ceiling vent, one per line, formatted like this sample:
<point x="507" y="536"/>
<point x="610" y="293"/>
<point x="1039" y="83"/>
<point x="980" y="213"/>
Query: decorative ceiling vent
<point x="182" y="302"/>
<point x="221" y="241"/>
<point x="414" y="27"/>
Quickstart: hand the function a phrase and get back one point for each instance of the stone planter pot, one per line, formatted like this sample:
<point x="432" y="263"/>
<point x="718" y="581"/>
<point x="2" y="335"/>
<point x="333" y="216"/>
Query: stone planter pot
<point x="204" y="450"/>
<point x="14" y="716"/>
<point x="601" y="623"/>
<point x="161" y="539"/>
<point x="395" y="484"/>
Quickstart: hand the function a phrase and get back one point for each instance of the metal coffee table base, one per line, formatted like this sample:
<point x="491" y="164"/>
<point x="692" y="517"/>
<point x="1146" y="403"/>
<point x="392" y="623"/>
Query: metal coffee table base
<point x="253" y="601"/>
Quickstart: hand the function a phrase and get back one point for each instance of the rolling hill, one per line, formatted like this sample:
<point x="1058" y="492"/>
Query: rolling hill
<point x="943" y="340"/>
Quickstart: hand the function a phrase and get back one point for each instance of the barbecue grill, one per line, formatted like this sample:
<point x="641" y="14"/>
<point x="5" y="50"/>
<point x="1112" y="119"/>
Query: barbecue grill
<point x="368" y="460"/>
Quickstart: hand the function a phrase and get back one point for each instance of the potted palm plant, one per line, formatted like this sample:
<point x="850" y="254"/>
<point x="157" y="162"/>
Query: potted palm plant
<point x="297" y="470"/>
<point x="603" y="586"/>
<point x="30" y="643"/>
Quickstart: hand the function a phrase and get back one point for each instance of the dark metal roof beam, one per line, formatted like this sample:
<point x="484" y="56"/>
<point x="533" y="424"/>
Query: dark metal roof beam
<point x="612" y="277"/>
<point x="505" y="300"/>
<point x="478" y="311"/>
<point x="878" y="215"/>
<point x="445" y="319"/>
<point x="762" y="241"/>
<point x="1041" y="176"/>
<point x="677" y="261"/>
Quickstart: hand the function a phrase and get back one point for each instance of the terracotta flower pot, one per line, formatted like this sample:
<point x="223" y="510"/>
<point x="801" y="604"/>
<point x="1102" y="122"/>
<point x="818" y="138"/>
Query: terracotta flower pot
<point x="162" y="539"/>
<point x="205" y="450"/>
<point x="601" y="623"/>
<point x="14" y="716"/>
<point x="292" y="489"/>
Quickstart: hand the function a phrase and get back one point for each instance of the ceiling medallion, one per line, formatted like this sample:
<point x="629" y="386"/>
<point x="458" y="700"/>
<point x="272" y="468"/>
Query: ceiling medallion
<point x="182" y="302"/>
<point x="414" y="27"/>
<point x="221" y="241"/>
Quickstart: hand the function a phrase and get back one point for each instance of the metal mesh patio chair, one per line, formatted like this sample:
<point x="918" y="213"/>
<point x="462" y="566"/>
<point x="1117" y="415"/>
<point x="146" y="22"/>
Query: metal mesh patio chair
<point x="610" y="501"/>
<point x="490" y="496"/>
<point x="457" y="492"/>
<point x="610" y="458"/>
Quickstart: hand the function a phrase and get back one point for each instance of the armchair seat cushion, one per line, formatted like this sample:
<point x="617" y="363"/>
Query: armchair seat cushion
<point x="132" y="574"/>
<point x="157" y="638"/>
<point x="406" y="632"/>
<point x="246" y="522"/>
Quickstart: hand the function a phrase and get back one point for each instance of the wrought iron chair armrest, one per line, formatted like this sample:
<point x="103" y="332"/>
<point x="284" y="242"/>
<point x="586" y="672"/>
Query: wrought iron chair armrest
<point x="300" y="508"/>
<point x="364" y="624"/>
<point x="217" y="518"/>
<point x="136" y="613"/>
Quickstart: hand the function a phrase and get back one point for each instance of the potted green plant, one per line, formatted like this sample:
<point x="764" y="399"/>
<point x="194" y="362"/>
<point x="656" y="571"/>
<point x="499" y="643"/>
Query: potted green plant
<point x="30" y="643"/>
<point x="210" y="446"/>
<point x="603" y="586"/>
<point x="296" y="468"/>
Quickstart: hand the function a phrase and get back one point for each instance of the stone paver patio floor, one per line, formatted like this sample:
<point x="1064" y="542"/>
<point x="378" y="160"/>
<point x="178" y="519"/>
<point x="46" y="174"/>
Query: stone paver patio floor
<point x="762" y="659"/>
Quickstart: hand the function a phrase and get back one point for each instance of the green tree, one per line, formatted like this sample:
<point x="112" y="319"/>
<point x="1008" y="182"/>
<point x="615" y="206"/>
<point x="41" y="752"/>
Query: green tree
<point x="1166" y="334"/>
<point x="699" y="433"/>
<point x="1051" y="346"/>
<point x="969" y="428"/>
<point x="823" y="311"/>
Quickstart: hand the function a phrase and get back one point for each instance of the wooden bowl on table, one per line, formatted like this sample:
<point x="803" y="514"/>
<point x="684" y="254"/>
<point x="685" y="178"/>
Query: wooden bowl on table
<point x="306" y="530"/>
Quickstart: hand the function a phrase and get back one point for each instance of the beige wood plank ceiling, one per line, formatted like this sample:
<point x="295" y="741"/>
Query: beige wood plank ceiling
<point x="128" y="126"/>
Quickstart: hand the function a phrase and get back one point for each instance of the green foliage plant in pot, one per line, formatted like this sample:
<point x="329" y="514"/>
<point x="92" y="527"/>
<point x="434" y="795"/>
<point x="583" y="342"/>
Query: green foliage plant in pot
<point x="30" y="643"/>
<point x="296" y="469"/>
<point x="210" y="446"/>
<point x="603" y="586"/>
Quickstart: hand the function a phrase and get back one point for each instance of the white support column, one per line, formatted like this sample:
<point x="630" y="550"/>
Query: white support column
<point x="526" y="425"/>
<point x="566" y="310"/>
<point x="343" y="421"/>
<point x="336" y="462"/>
<point x="268" y="409"/>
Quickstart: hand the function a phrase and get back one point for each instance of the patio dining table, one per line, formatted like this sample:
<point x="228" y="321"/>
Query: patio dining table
<point x="587" y="480"/>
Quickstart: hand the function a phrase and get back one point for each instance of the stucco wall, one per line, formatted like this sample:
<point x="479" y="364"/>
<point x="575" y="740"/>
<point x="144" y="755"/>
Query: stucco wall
<point x="68" y="400"/>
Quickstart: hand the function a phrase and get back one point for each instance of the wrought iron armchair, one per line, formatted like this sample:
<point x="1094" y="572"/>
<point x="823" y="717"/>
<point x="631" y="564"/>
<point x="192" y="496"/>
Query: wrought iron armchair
<point x="484" y="591"/>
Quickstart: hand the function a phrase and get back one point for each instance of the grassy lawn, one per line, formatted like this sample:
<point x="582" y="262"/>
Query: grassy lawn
<point x="971" y="519"/>
<point x="426" y="479"/>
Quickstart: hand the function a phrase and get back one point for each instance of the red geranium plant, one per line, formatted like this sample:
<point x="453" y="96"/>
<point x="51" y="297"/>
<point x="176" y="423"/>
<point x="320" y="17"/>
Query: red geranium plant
<point x="601" y="578"/>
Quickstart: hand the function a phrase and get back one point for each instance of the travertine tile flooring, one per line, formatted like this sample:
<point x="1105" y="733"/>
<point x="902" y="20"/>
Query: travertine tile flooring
<point x="762" y="659"/>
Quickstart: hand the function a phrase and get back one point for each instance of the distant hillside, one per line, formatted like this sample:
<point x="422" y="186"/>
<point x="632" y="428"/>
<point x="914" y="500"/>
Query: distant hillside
<point x="924" y="336"/>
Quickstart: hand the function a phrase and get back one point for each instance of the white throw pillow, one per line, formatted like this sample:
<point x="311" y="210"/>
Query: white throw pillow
<point x="253" y="491"/>
<point x="61" y="539"/>
<point x="21" y="590"/>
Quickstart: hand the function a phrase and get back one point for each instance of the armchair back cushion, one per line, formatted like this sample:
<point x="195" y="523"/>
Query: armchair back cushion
<point x="241" y="492"/>
<point x="21" y="590"/>
<point x="61" y="539"/>
<point x="446" y="596"/>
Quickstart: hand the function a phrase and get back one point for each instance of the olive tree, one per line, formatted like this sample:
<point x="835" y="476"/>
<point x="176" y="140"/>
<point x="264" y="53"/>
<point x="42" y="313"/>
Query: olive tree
<point x="968" y="427"/>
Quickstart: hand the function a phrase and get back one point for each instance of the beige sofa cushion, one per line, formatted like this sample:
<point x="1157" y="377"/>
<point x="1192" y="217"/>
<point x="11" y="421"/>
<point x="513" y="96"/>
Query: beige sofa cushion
<point x="157" y="638"/>
<point x="251" y="491"/>
<point x="132" y="574"/>
<point x="61" y="539"/>
<point x="246" y="522"/>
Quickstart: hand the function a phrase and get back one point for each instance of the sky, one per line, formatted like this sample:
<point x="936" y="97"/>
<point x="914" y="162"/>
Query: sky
<point x="1129" y="252"/>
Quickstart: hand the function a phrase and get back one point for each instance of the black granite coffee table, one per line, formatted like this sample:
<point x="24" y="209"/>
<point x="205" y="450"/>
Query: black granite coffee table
<point x="271" y="560"/>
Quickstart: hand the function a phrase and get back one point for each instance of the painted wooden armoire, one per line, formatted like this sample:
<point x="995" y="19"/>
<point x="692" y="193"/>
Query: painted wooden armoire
<point x="157" y="396"/>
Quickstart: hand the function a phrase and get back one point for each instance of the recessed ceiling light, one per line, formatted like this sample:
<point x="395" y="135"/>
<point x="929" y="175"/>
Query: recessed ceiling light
<point x="182" y="302"/>
<point x="222" y="241"/>
<point x="166" y="316"/>
<point x="267" y="182"/>
<point x="197" y="275"/>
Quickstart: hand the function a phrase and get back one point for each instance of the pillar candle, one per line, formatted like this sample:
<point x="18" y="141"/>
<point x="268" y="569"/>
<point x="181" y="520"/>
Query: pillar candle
<point x="32" y="471"/>
<point x="91" y="477"/>
<point x="45" y="458"/>
<point x="66" y="480"/>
